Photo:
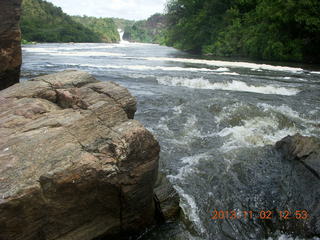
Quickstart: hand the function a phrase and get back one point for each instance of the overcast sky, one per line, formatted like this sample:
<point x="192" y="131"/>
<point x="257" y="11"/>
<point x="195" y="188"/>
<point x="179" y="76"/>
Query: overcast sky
<point x="128" y="9"/>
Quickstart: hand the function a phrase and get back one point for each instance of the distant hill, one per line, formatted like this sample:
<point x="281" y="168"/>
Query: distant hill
<point x="147" y="31"/>
<point x="41" y="21"/>
<point x="105" y="27"/>
<point x="123" y="23"/>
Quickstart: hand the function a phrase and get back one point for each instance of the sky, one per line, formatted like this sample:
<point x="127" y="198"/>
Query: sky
<point x="128" y="9"/>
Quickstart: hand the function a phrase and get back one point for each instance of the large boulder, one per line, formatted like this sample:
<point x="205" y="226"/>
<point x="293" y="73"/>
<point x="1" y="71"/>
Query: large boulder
<point x="10" y="47"/>
<point x="304" y="155"/>
<point x="306" y="150"/>
<point x="73" y="162"/>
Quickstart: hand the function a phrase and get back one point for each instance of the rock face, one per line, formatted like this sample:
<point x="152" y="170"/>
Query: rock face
<point x="304" y="155"/>
<point x="73" y="163"/>
<point x="306" y="150"/>
<point x="10" y="47"/>
<point x="167" y="198"/>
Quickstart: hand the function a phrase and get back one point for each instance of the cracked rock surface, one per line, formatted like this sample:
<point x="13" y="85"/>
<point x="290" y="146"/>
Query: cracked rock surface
<point x="73" y="162"/>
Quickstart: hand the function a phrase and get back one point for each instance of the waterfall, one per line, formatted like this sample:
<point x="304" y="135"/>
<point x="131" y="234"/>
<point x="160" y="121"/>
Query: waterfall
<point x="121" y="32"/>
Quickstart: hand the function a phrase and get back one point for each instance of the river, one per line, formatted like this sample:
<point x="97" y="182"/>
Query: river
<point x="215" y="121"/>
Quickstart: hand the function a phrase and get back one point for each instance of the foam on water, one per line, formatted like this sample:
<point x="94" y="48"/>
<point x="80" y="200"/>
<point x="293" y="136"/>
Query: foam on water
<point x="188" y="132"/>
<point x="86" y="54"/>
<point x="145" y="68"/>
<point x="222" y="69"/>
<point x="311" y="127"/>
<point x="234" y="85"/>
<point x="177" y="110"/>
<point x="229" y="73"/>
<point x="188" y="167"/>
<point x="63" y="48"/>
<point x="288" y="237"/>
<point x="284" y="109"/>
<point x="258" y="131"/>
<point x="253" y="66"/>
<point x="190" y="209"/>
<point x="261" y="125"/>
<point x="40" y="50"/>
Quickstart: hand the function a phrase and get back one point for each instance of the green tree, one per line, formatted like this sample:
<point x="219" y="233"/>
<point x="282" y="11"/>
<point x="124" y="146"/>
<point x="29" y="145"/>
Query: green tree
<point x="262" y="29"/>
<point x="41" y="21"/>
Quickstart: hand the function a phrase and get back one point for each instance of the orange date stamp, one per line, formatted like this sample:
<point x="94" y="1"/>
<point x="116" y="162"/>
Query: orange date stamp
<point x="263" y="214"/>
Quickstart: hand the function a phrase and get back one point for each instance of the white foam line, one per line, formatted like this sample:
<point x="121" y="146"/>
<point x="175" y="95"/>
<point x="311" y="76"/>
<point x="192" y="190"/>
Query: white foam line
<point x="190" y="209"/>
<point x="145" y="68"/>
<point x="234" y="85"/>
<point x="288" y="237"/>
<point x="189" y="163"/>
<point x="254" y="132"/>
<point x="252" y="66"/>
<point x="85" y="54"/>
<point x="64" y="48"/>
<point x="229" y="73"/>
<point x="156" y="68"/>
<point x="286" y="110"/>
<point x="39" y="50"/>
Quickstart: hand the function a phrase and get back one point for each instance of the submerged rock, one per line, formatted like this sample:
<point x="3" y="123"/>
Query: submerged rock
<point x="10" y="46"/>
<point x="304" y="153"/>
<point x="73" y="163"/>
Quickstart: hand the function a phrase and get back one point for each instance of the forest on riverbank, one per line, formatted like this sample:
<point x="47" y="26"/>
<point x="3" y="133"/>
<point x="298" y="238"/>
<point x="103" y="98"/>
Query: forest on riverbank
<point x="41" y="21"/>
<point x="285" y="30"/>
<point x="151" y="30"/>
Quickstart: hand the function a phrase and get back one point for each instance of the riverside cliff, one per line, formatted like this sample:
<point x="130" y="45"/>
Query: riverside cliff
<point x="10" y="46"/>
<point x="73" y="162"/>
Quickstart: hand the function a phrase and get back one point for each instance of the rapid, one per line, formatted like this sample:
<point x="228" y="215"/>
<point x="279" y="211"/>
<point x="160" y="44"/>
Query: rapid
<point x="216" y="121"/>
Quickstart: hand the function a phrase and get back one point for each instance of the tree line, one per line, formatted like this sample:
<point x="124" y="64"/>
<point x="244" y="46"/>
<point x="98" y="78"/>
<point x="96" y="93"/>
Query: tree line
<point x="41" y="21"/>
<point x="285" y="30"/>
<point x="151" y="30"/>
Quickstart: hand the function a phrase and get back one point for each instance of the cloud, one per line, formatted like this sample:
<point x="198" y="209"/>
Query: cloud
<point x="128" y="9"/>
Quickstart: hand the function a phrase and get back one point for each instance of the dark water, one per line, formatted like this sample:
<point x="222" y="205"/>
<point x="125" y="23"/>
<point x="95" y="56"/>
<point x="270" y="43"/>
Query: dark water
<point x="215" y="121"/>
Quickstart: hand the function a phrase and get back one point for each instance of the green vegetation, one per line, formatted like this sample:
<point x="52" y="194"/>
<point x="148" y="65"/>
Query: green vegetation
<point x="147" y="31"/>
<point x="41" y="21"/>
<point x="287" y="30"/>
<point x="23" y="41"/>
<point x="105" y="27"/>
<point x="123" y="23"/>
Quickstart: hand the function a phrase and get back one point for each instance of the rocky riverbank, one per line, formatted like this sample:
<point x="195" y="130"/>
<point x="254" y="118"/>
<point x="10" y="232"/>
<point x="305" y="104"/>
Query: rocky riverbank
<point x="73" y="162"/>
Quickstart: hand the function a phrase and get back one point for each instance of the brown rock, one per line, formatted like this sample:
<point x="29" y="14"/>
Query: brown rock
<point x="10" y="46"/>
<point x="72" y="165"/>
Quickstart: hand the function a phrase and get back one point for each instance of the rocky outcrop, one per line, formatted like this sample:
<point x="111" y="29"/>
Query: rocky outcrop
<point x="166" y="198"/>
<point x="306" y="150"/>
<point x="10" y="47"/>
<point x="73" y="162"/>
<point x="304" y="155"/>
